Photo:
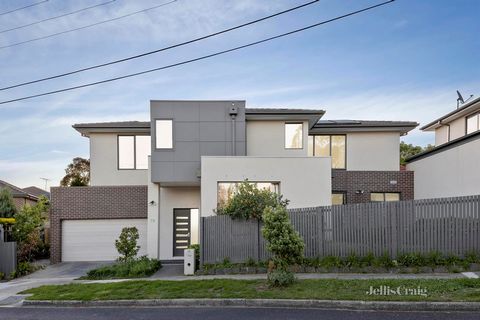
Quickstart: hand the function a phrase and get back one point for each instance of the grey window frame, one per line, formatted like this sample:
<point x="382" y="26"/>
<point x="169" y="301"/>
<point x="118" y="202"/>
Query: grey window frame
<point x="385" y="192"/>
<point x="285" y="135"/>
<point x="330" y="146"/>
<point x="134" y="150"/>
<point x="272" y="182"/>
<point x="155" y="133"/>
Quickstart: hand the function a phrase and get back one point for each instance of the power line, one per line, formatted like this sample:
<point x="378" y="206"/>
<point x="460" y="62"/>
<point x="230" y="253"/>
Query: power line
<point x="161" y="49"/>
<point x="57" y="17"/>
<point x="25" y="7"/>
<point x="87" y="26"/>
<point x="199" y="58"/>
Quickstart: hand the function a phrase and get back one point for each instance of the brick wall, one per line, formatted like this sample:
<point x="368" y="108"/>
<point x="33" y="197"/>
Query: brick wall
<point x="98" y="202"/>
<point x="20" y="202"/>
<point x="350" y="182"/>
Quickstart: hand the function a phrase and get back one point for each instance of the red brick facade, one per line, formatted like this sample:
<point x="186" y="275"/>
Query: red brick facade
<point x="357" y="185"/>
<point x="98" y="202"/>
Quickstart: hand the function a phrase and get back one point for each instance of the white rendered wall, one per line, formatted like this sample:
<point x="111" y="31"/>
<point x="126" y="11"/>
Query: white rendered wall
<point x="451" y="173"/>
<point x="267" y="138"/>
<point x="376" y="151"/>
<point x="104" y="164"/>
<point x="305" y="181"/>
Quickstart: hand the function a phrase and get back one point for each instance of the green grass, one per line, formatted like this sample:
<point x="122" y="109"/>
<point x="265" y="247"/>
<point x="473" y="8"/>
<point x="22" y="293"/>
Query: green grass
<point x="324" y="289"/>
<point x="142" y="267"/>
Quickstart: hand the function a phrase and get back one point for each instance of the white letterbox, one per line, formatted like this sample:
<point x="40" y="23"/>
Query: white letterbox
<point x="189" y="262"/>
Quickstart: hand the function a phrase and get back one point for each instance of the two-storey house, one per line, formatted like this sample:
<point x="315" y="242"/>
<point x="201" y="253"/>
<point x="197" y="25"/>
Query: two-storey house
<point x="164" y="174"/>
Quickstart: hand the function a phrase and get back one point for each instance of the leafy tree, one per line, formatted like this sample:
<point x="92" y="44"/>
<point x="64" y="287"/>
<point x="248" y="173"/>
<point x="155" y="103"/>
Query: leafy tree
<point x="284" y="242"/>
<point x="249" y="202"/>
<point x="409" y="150"/>
<point x="126" y="244"/>
<point x="77" y="173"/>
<point x="29" y="221"/>
<point x="7" y="206"/>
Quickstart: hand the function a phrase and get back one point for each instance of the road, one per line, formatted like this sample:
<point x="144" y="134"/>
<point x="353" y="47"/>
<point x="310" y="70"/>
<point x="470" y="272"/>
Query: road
<point x="41" y="313"/>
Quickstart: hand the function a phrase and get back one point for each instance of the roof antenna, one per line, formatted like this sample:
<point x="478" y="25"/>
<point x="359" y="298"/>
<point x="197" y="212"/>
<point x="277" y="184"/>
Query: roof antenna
<point x="460" y="99"/>
<point x="46" y="182"/>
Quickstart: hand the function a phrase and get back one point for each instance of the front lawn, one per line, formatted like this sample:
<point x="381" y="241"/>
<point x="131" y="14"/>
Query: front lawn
<point x="138" y="268"/>
<point x="322" y="289"/>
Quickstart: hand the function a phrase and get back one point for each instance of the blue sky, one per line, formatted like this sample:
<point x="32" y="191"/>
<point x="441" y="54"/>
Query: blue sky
<point x="402" y="61"/>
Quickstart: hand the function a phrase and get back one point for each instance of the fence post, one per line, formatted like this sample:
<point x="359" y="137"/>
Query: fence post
<point x="320" y="237"/>
<point x="257" y="241"/>
<point x="202" y="241"/>
<point x="393" y="224"/>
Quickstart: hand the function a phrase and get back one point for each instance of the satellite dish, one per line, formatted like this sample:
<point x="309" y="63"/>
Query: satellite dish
<point x="459" y="99"/>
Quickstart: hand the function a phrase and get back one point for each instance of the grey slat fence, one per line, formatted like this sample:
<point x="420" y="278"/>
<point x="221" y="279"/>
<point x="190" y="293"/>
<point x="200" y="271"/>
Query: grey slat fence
<point x="447" y="225"/>
<point x="8" y="254"/>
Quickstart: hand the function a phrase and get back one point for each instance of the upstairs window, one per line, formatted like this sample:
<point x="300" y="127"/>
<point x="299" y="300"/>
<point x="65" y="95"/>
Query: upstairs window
<point x="473" y="123"/>
<point x="133" y="152"/>
<point x="294" y="135"/>
<point x="329" y="146"/>
<point x="163" y="134"/>
<point x="225" y="190"/>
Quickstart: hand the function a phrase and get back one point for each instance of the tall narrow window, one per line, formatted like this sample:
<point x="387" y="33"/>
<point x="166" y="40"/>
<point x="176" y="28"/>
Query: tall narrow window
<point x="133" y="152"/>
<point x="294" y="135"/>
<point x="164" y="134"/>
<point x="126" y="152"/>
<point x="473" y="123"/>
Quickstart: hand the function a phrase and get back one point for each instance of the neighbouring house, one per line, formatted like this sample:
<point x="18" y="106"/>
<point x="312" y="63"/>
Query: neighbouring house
<point x="20" y="196"/>
<point x="450" y="168"/>
<point x="162" y="175"/>
<point x="36" y="191"/>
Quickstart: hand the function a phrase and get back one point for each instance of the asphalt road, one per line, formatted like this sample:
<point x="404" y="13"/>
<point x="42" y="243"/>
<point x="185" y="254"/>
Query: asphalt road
<point x="41" y="313"/>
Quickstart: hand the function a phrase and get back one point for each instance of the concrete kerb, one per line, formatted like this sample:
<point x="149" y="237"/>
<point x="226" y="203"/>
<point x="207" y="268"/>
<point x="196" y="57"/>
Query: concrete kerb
<point x="266" y="303"/>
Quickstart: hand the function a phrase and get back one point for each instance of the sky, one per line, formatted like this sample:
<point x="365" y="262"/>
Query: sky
<point x="402" y="61"/>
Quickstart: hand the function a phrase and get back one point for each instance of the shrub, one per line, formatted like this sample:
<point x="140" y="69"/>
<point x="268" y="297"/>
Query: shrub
<point x="2" y="275"/>
<point x="23" y="268"/>
<point x="331" y="262"/>
<point x="434" y="259"/>
<point x="471" y="257"/>
<point x="280" y="278"/>
<point x="196" y="247"/>
<point x="134" y="268"/>
<point x="126" y="244"/>
<point x="7" y="206"/>
<point x="352" y="261"/>
<point x="283" y="241"/>
<point x="412" y="260"/>
<point x="369" y="259"/>
<point x="249" y="202"/>
<point x="385" y="261"/>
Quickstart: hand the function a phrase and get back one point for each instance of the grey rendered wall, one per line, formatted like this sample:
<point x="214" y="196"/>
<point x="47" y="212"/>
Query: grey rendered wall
<point x="200" y="128"/>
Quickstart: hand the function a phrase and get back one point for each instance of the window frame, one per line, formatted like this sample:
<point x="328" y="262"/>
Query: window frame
<point x="155" y="133"/>
<point x="134" y="150"/>
<point x="237" y="182"/>
<point x="344" y="194"/>
<point x="285" y="135"/>
<point x="477" y="115"/>
<point x="384" y="193"/>
<point x="330" y="147"/>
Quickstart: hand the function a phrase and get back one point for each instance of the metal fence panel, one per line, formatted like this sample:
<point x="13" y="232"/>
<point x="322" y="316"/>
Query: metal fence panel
<point x="447" y="225"/>
<point x="8" y="254"/>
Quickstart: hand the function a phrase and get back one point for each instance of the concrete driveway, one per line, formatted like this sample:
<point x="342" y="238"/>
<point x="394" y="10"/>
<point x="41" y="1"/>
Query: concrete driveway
<point x="61" y="273"/>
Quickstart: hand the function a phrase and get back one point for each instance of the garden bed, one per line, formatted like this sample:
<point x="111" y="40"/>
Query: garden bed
<point x="138" y="268"/>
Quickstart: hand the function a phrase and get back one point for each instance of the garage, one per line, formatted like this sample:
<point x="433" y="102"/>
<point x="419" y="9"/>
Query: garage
<point x="94" y="240"/>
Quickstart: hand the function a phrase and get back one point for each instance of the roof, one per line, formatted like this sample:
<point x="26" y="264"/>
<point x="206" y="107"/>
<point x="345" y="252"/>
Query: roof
<point x="120" y="126"/>
<point x="331" y="126"/>
<point x="16" y="191"/>
<point x="446" y="146"/>
<point x="457" y="113"/>
<point x="312" y="115"/>
<point x="37" y="191"/>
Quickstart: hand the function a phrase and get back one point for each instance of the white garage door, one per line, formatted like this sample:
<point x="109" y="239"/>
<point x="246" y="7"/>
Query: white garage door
<point x="94" y="240"/>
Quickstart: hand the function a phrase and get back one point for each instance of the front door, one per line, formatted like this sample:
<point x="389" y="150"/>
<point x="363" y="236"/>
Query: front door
<point x="181" y="231"/>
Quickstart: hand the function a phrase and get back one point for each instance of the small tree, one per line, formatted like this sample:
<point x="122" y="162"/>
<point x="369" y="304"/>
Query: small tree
<point x="249" y="202"/>
<point x="7" y="206"/>
<point x="26" y="230"/>
<point x="77" y="173"/>
<point x="126" y="244"/>
<point x="283" y="242"/>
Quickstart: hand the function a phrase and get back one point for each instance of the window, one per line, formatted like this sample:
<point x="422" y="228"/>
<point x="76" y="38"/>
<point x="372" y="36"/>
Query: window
<point x="473" y="123"/>
<point x="163" y="134"/>
<point x="384" y="196"/>
<point x="225" y="190"/>
<point x="329" y="145"/>
<point x="294" y="135"/>
<point x="338" y="198"/>
<point x="133" y="152"/>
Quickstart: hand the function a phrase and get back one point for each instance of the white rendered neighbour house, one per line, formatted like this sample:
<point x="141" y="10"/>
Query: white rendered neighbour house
<point x="188" y="158"/>
<point x="451" y="168"/>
